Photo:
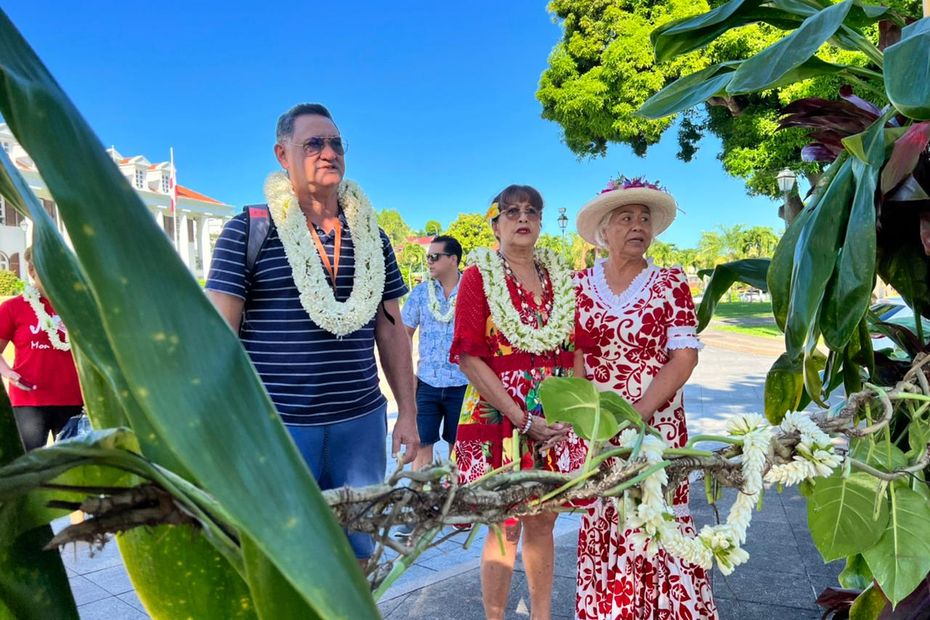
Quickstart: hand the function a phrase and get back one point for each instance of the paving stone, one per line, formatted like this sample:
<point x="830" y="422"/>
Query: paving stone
<point x="114" y="579"/>
<point x="84" y="591"/>
<point x="82" y="558"/>
<point x="132" y="599"/>
<point x="110" y="608"/>
<point x="739" y="610"/>
<point x="771" y="588"/>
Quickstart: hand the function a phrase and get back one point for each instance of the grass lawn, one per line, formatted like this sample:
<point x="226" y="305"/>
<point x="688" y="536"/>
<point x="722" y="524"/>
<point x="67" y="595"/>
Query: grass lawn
<point x="763" y="331"/>
<point x="747" y="318"/>
<point x="744" y="310"/>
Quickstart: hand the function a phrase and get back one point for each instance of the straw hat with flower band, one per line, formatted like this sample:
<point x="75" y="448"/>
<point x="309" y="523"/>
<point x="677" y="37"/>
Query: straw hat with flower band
<point x="622" y="192"/>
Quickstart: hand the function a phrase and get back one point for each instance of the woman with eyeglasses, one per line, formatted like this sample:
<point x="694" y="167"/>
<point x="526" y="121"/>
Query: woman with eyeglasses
<point x="513" y="328"/>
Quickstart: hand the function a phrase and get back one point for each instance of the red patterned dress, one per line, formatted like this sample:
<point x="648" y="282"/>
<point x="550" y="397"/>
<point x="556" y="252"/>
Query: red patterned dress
<point x="484" y="440"/>
<point x="626" y="340"/>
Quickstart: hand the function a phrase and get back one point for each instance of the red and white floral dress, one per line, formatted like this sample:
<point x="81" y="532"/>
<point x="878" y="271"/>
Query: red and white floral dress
<point x="484" y="440"/>
<point x="626" y="340"/>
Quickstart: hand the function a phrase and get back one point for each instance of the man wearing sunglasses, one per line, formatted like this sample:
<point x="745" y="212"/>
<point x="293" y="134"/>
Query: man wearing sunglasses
<point x="311" y="341"/>
<point x="440" y="384"/>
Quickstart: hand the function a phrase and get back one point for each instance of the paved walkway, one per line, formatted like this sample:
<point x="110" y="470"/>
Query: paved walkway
<point x="780" y="581"/>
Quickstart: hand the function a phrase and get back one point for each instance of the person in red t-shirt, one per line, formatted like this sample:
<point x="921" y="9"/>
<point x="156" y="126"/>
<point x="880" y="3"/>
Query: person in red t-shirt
<point x="44" y="388"/>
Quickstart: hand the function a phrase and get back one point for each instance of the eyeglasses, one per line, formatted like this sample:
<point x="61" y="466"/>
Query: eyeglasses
<point x="432" y="258"/>
<point x="513" y="213"/>
<point x="316" y="144"/>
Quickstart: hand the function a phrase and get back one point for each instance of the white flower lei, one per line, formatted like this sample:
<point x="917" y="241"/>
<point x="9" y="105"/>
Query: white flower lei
<point x="51" y="325"/>
<point x="434" y="307"/>
<point x="655" y="520"/>
<point x="507" y="318"/>
<point x="815" y="455"/>
<point x="316" y="295"/>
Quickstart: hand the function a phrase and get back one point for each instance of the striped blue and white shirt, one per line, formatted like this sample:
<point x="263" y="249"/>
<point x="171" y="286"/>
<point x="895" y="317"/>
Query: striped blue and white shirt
<point x="312" y="376"/>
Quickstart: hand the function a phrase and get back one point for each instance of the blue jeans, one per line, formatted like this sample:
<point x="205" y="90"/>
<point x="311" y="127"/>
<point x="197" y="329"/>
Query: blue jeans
<point x="349" y="453"/>
<point x="437" y="406"/>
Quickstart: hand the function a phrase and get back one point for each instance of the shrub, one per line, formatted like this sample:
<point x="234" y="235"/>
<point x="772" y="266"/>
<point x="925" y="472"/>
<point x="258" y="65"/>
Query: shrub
<point x="10" y="284"/>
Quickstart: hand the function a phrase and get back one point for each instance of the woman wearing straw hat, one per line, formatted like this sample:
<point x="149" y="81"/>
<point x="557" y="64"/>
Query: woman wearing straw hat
<point x="636" y="336"/>
<point x="514" y="320"/>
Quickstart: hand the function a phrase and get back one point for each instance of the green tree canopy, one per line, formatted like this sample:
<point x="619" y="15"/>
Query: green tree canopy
<point x="603" y="69"/>
<point x="432" y="228"/>
<point x="472" y="231"/>
<point x="394" y="226"/>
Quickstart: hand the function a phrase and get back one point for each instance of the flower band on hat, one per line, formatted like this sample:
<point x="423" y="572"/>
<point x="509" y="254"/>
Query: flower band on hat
<point x="624" y="183"/>
<point x="626" y="191"/>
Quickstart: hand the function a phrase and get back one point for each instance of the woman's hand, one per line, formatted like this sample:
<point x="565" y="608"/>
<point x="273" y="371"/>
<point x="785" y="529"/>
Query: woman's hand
<point x="15" y="379"/>
<point x="546" y="434"/>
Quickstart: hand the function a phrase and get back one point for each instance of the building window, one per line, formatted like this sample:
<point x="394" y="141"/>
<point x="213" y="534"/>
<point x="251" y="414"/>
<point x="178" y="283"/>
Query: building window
<point x="4" y="262"/>
<point x="140" y="178"/>
<point x="165" y="183"/>
<point x="2" y="211"/>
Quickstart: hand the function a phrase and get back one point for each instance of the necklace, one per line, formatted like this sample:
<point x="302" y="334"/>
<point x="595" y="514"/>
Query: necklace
<point x="540" y="338"/>
<point x="434" y="306"/>
<point x="51" y="325"/>
<point x="317" y="297"/>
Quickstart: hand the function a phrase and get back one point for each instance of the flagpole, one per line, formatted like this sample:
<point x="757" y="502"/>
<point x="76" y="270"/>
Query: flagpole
<point x="174" y="207"/>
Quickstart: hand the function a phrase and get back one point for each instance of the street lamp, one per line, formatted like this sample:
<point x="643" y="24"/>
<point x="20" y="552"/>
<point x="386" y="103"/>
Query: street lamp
<point x="563" y="221"/>
<point x="785" y="179"/>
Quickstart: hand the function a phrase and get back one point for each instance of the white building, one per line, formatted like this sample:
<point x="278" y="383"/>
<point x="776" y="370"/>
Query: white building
<point x="197" y="215"/>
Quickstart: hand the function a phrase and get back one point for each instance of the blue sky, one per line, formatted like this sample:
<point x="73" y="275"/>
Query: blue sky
<point x="437" y="101"/>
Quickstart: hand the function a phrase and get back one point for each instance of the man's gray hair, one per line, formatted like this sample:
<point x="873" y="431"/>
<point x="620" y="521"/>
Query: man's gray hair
<point x="285" y="127"/>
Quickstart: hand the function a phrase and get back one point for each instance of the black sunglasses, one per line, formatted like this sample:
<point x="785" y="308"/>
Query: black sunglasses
<point x="432" y="258"/>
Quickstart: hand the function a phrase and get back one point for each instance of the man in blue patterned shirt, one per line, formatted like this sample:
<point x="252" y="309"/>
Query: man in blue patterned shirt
<point x="440" y="384"/>
<point x="313" y="345"/>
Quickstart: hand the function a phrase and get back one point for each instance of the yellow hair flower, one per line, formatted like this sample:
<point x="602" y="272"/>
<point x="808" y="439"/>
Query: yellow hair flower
<point x="493" y="212"/>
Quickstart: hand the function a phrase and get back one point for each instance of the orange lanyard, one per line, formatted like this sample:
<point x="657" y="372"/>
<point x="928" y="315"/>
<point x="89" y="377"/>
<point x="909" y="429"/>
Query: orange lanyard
<point x="333" y="271"/>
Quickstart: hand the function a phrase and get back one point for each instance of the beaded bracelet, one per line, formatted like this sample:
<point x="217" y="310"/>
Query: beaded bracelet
<point x="529" y="424"/>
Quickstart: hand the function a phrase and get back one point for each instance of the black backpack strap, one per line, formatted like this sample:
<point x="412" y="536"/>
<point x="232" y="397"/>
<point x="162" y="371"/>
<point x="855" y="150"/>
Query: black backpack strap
<point x="259" y="226"/>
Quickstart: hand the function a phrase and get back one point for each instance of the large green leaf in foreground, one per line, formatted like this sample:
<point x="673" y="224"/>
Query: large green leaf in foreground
<point x="901" y="559"/>
<point x="842" y="515"/>
<point x="33" y="582"/>
<point x="184" y="369"/>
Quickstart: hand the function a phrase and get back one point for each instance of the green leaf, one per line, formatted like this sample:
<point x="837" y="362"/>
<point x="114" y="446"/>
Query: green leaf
<point x="918" y="437"/>
<point x="869" y="605"/>
<point x="841" y="515"/>
<point x="856" y="575"/>
<point x="779" y="274"/>
<point x="783" y="386"/>
<point x="688" y="91"/>
<point x="880" y="454"/>
<point x="766" y="68"/>
<point x="243" y="458"/>
<point x="576" y="401"/>
<point x="814" y="362"/>
<point x="620" y="408"/>
<point x="901" y="558"/>
<point x="33" y="582"/>
<point x="815" y="257"/>
<point x="752" y="271"/>
<point x="907" y="72"/>
<point x="849" y="293"/>
<point x="684" y="35"/>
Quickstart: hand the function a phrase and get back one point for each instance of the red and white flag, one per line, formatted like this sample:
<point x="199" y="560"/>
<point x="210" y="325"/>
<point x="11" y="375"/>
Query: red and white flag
<point x="173" y="184"/>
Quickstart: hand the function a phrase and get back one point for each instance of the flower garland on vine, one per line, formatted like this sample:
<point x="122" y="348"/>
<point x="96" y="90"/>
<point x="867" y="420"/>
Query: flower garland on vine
<point x="507" y="318"/>
<point x="655" y="521"/>
<point x="50" y="324"/>
<point x="435" y="308"/>
<point x="316" y="294"/>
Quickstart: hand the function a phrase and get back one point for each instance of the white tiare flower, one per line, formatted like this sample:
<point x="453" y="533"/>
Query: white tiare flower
<point x="316" y="295"/>
<point x="525" y="337"/>
<point x="51" y="325"/>
<point x="433" y="303"/>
